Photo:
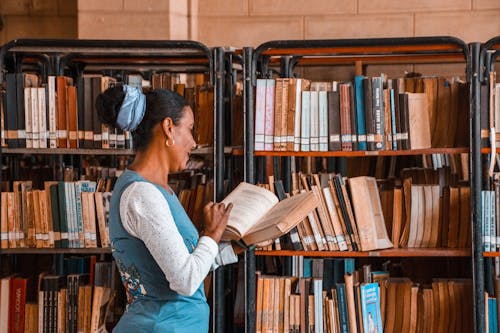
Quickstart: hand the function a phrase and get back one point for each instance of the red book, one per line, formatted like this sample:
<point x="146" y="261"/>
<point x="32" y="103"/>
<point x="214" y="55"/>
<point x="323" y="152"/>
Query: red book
<point x="18" y="288"/>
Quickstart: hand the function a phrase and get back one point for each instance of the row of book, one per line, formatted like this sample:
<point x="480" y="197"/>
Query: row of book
<point x="490" y="218"/>
<point x="61" y="113"/>
<point x="425" y="208"/>
<point x="371" y="113"/>
<point x="62" y="215"/>
<point x="72" y="302"/>
<point x="492" y="294"/>
<point x="336" y="298"/>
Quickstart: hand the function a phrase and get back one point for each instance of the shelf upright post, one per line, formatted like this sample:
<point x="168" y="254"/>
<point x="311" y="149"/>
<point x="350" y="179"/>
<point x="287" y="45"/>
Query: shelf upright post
<point x="475" y="177"/>
<point x="249" y="176"/>
<point x="218" y="318"/>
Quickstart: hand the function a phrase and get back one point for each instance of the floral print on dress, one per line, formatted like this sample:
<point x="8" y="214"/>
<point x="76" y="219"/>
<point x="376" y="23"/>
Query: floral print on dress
<point x="131" y="280"/>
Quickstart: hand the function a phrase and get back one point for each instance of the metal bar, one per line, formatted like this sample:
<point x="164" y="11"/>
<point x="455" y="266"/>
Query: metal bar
<point x="475" y="183"/>
<point x="219" y="320"/>
<point x="362" y="47"/>
<point x="249" y="176"/>
<point x="171" y="47"/>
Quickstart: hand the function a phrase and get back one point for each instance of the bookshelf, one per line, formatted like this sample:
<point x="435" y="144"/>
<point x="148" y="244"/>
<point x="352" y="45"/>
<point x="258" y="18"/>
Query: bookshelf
<point x="285" y="58"/>
<point x="485" y="250"/>
<point x="117" y="58"/>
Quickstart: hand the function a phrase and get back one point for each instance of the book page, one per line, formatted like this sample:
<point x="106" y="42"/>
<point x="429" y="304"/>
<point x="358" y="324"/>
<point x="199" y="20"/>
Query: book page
<point x="250" y="203"/>
<point x="284" y="216"/>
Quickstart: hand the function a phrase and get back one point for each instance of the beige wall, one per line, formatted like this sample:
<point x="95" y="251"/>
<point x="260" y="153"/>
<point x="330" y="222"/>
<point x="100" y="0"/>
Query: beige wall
<point x="251" y="22"/>
<point x="38" y="19"/>
<point x="248" y="22"/>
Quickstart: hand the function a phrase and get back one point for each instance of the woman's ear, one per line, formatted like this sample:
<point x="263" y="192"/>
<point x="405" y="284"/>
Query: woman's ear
<point x="168" y="127"/>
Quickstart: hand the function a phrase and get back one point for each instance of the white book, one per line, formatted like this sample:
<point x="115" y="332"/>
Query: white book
<point x="305" y="127"/>
<point x="318" y="305"/>
<point x="323" y="121"/>
<point x="79" y="230"/>
<point x="298" y="115"/>
<point x="260" y="113"/>
<point x="69" y="191"/>
<point x="28" y="121"/>
<point x="269" y="122"/>
<point x="51" y="83"/>
<point x="42" y="117"/>
<point x="35" y="125"/>
<point x="314" y="123"/>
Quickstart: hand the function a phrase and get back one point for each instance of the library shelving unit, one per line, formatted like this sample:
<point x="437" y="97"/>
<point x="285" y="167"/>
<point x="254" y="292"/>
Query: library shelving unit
<point x="117" y="58"/>
<point x="281" y="58"/>
<point x="487" y="54"/>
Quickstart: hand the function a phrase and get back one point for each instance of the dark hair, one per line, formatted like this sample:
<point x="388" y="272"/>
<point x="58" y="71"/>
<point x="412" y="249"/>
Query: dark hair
<point x="160" y="104"/>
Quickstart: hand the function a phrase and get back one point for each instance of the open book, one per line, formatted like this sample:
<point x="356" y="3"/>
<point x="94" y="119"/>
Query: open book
<point x="258" y="216"/>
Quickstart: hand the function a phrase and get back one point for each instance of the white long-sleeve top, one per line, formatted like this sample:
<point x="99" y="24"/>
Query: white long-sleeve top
<point x="145" y="214"/>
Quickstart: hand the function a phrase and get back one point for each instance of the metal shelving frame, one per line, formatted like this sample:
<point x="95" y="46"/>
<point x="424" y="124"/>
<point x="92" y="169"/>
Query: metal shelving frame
<point x="57" y="56"/>
<point x="287" y="54"/>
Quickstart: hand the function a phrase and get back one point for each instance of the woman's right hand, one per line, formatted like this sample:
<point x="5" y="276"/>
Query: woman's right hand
<point x="216" y="218"/>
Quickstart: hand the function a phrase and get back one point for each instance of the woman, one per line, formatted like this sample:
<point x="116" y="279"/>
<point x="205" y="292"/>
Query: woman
<point x="159" y="253"/>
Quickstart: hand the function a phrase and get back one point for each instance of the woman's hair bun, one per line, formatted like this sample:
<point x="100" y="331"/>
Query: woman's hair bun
<point x="108" y="105"/>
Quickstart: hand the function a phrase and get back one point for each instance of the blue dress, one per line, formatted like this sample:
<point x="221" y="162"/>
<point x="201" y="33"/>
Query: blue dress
<point x="152" y="305"/>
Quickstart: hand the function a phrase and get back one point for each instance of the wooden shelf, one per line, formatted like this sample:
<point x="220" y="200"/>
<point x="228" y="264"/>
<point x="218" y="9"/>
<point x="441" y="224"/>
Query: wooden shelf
<point x="488" y="150"/>
<point x="491" y="254"/>
<point x="98" y="250"/>
<point x="67" y="151"/>
<point x="82" y="151"/>
<point x="420" y="252"/>
<point x="360" y="153"/>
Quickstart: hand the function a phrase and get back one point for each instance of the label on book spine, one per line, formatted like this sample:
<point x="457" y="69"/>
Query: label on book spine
<point x="342" y="243"/>
<point x="335" y="138"/>
<point x="294" y="237"/>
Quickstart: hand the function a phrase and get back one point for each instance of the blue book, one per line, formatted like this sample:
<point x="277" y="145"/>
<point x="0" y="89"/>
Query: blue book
<point x="342" y="304"/>
<point x="492" y="315"/>
<point x="370" y="308"/>
<point x="360" y="111"/>
<point x="307" y="273"/>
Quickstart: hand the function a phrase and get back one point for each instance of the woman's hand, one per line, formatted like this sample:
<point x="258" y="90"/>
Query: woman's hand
<point x="216" y="217"/>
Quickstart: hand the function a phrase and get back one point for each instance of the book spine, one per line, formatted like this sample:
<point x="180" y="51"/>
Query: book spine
<point x="334" y="142"/>
<point x="323" y="121"/>
<point x="269" y="117"/>
<point x="17" y="304"/>
<point x="345" y="117"/>
<point x="35" y="117"/>
<point x="278" y="113"/>
<point x="378" y="112"/>
<point x="51" y="93"/>
<point x="62" y="129"/>
<point x="305" y="121"/>
<point x="28" y="126"/>
<point x="314" y="121"/>
<point x="21" y="130"/>
<point x="42" y="107"/>
<point x="360" y="111"/>
<point x="11" y="111"/>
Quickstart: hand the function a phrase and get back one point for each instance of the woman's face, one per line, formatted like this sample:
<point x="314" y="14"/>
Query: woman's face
<point x="183" y="140"/>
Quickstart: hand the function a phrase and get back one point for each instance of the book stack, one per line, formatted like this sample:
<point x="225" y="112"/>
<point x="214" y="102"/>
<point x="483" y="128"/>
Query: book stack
<point x="425" y="208"/>
<point x="61" y="113"/>
<point x="77" y="298"/>
<point x="331" y="296"/>
<point x="63" y="214"/>
<point x="371" y="113"/>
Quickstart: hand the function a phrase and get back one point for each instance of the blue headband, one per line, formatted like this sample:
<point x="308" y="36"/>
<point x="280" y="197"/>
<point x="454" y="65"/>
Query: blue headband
<point x="132" y="109"/>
